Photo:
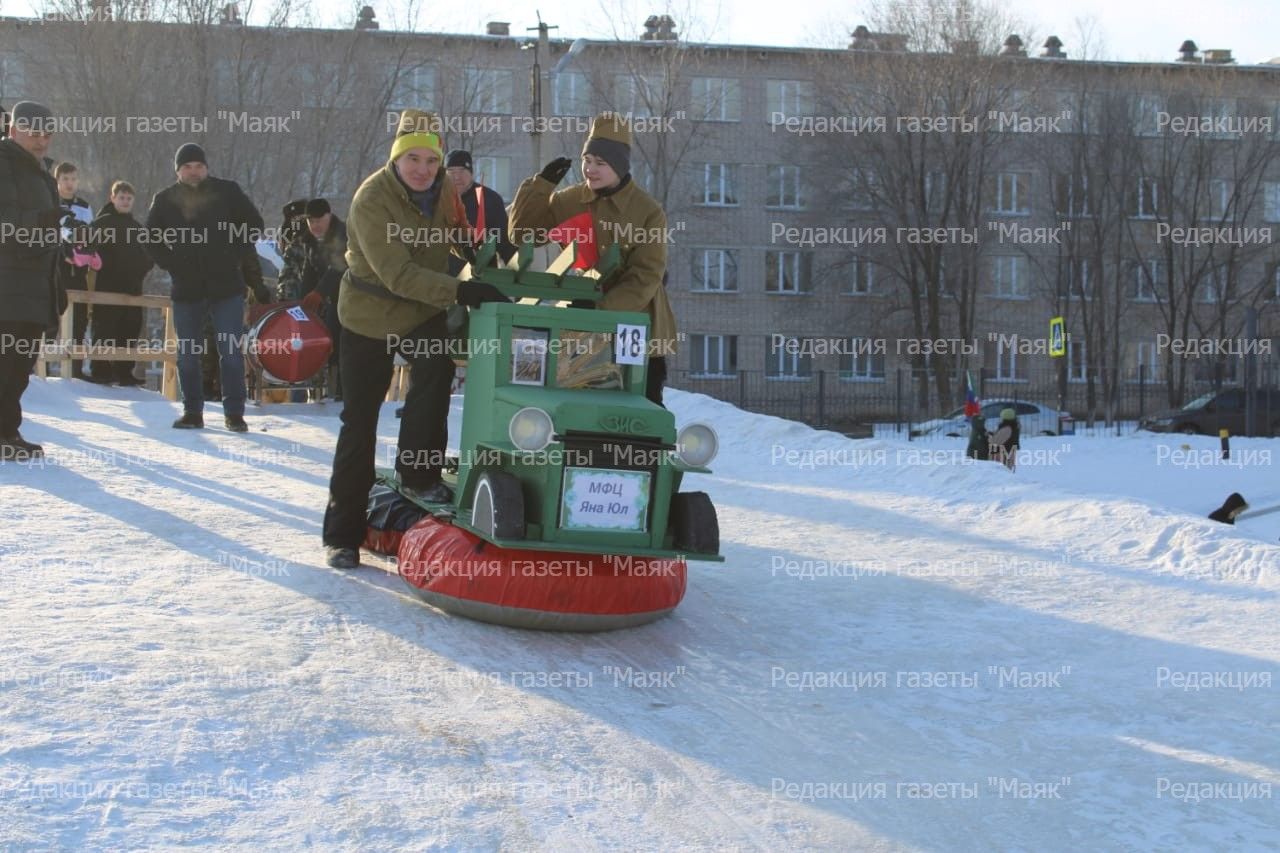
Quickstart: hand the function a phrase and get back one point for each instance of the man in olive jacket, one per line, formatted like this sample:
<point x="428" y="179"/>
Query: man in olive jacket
<point x="609" y="206"/>
<point x="202" y="231"/>
<point x="404" y="221"/>
<point x="29" y="247"/>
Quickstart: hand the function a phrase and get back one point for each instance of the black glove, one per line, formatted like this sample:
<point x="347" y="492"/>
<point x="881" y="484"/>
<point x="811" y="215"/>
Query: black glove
<point x="473" y="294"/>
<point x="556" y="169"/>
<point x="582" y="303"/>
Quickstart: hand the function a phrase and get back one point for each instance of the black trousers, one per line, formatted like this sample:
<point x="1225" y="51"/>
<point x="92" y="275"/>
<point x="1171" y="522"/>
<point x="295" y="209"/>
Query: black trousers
<point x="114" y="325"/>
<point x="79" y="321"/>
<point x="366" y="366"/>
<point x="18" y="343"/>
<point x="655" y="378"/>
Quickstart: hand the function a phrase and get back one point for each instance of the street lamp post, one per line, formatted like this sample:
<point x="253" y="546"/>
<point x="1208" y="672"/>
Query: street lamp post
<point x="543" y="42"/>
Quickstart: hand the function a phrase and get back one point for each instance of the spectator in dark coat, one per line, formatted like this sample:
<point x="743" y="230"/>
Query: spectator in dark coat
<point x="74" y="268"/>
<point x="119" y="241"/>
<point x="326" y="261"/>
<point x="203" y="230"/>
<point x="29" y="247"/>
<point x="489" y="219"/>
<point x="979" y="441"/>
<point x="292" y="245"/>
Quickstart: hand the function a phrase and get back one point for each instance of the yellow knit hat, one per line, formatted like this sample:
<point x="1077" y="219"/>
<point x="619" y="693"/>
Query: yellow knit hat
<point x="417" y="129"/>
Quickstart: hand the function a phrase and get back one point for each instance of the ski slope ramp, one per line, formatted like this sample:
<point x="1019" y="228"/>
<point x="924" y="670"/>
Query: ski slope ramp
<point x="900" y="651"/>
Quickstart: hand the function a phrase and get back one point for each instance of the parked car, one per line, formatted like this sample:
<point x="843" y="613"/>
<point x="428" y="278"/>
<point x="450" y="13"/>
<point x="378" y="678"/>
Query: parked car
<point x="1033" y="418"/>
<point x="1224" y="409"/>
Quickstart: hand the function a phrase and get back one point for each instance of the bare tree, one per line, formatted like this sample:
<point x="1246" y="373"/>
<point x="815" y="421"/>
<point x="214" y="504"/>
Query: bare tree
<point x="930" y="169"/>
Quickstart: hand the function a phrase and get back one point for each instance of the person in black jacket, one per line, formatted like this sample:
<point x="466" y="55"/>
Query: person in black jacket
<point x="74" y="268"/>
<point x="488" y="219"/>
<point x="30" y="217"/>
<point x="118" y="240"/>
<point x="322" y="269"/>
<point x="291" y="244"/>
<point x="202" y="231"/>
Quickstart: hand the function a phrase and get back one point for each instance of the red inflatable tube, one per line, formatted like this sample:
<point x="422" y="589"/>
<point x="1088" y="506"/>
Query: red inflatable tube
<point x="385" y="542"/>
<point x="460" y="573"/>
<point x="288" y="345"/>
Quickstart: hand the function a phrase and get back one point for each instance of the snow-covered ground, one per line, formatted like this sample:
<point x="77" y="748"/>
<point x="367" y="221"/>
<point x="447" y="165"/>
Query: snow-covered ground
<point x="901" y="651"/>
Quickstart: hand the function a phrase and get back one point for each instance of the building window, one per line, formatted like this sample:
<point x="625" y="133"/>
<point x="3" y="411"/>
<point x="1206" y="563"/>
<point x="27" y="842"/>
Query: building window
<point x="715" y="271"/>
<point x="1007" y="365"/>
<point x="858" y="363"/>
<point x="414" y="88"/>
<point x="861" y="276"/>
<point x="788" y="272"/>
<point x="1079" y="279"/>
<point x="1213" y="290"/>
<point x="1145" y="202"/>
<point x="1220" y="193"/>
<point x="713" y="355"/>
<point x="1221" y="113"/>
<point x="1150" y="281"/>
<point x="718" y="184"/>
<point x="494" y="173"/>
<point x="1071" y="195"/>
<point x="859" y="190"/>
<point x="935" y="189"/>
<point x="638" y="95"/>
<point x="788" y="358"/>
<point x="1012" y="194"/>
<point x="788" y="98"/>
<point x="1146" y="364"/>
<point x="1271" y="201"/>
<point x="486" y="90"/>
<point x="1009" y="272"/>
<point x="1077" y="362"/>
<point x="784" y="187"/>
<point x="1146" y="119"/>
<point x="13" y="79"/>
<point x="641" y="175"/>
<point x="571" y="94"/>
<point x="716" y="99"/>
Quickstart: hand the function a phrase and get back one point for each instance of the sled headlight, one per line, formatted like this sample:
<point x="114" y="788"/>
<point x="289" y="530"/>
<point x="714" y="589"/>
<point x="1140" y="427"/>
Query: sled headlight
<point x="530" y="429"/>
<point x="696" y="445"/>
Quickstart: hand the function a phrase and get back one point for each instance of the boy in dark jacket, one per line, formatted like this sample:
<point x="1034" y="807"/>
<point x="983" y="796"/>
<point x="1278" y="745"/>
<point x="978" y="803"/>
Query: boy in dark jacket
<point x="73" y="270"/>
<point x="119" y="243"/>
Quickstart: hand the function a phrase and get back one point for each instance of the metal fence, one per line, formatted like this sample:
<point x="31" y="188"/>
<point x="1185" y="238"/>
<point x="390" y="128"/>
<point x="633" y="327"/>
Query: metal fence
<point x="859" y="406"/>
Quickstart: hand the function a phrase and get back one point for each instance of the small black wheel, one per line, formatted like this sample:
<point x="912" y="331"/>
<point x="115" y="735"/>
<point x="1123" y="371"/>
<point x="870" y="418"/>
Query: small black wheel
<point x="694" y="525"/>
<point x="498" y="508"/>
<point x="1189" y="429"/>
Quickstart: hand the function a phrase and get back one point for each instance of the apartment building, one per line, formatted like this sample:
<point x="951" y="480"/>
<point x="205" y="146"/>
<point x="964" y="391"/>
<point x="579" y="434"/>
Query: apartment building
<point x="837" y="239"/>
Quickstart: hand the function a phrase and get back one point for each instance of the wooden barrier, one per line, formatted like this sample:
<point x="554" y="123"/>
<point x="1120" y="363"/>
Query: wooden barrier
<point x="65" y="351"/>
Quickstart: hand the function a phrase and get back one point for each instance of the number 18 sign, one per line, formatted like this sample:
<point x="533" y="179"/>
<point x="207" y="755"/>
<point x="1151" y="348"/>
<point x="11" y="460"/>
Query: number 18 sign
<point x="629" y="344"/>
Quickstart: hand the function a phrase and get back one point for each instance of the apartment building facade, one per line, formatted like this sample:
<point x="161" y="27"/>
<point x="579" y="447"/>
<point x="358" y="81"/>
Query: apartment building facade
<point x="836" y="242"/>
